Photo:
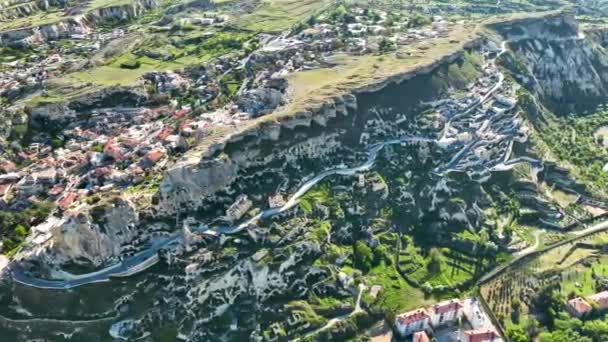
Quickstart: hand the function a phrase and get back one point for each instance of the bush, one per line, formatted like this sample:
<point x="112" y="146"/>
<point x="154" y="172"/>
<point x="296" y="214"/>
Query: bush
<point x="57" y="143"/>
<point x="130" y="65"/>
<point x="93" y="199"/>
<point x="21" y="231"/>
<point x="364" y="257"/>
<point x="386" y="45"/>
<point x="517" y="334"/>
<point x="434" y="262"/>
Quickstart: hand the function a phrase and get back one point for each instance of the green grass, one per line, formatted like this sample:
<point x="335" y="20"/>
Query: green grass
<point x="113" y="74"/>
<point x="321" y="194"/>
<point x="526" y="233"/>
<point x="107" y="75"/>
<point x="95" y="4"/>
<point x="454" y="270"/>
<point x="38" y="19"/>
<point x="582" y="275"/>
<point x="307" y="313"/>
<point x="396" y="295"/>
<point x="319" y="232"/>
<point x="279" y="15"/>
<point x="328" y="305"/>
<point x="42" y="100"/>
<point x="186" y="55"/>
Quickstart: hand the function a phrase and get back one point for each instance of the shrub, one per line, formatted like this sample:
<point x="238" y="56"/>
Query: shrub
<point x="130" y="65"/>
<point x="21" y="231"/>
<point x="57" y="143"/>
<point x="364" y="257"/>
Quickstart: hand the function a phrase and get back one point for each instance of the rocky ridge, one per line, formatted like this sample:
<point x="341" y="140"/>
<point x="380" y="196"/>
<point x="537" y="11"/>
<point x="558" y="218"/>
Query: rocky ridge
<point x="214" y="166"/>
<point x="75" y="25"/>
<point x="557" y="61"/>
<point x="199" y="173"/>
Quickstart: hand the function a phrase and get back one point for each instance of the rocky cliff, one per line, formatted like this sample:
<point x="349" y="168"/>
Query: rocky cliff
<point x="220" y="167"/>
<point x="106" y="97"/>
<point x="229" y="155"/>
<point x="92" y="236"/>
<point x="556" y="60"/>
<point x="201" y="173"/>
<point x="78" y="24"/>
<point x="18" y="9"/>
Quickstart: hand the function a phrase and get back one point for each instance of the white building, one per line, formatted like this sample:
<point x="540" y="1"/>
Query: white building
<point x="239" y="208"/>
<point x="413" y="321"/>
<point x="446" y="312"/>
<point x="506" y="101"/>
<point x="481" y="335"/>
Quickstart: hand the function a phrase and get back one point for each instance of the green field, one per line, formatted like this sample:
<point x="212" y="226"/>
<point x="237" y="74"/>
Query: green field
<point x="572" y="266"/>
<point x="279" y="15"/>
<point x="579" y="278"/>
<point x="35" y="20"/>
<point x="396" y="295"/>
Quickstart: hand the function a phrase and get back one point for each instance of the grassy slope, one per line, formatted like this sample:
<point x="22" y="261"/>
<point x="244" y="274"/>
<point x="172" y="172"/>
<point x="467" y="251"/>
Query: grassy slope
<point x="280" y="15"/>
<point x="37" y="19"/>
<point x="312" y="88"/>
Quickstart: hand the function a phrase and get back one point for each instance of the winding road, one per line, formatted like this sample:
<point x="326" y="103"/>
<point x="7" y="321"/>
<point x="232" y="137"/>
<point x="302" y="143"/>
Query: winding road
<point x="533" y="247"/>
<point x="128" y="266"/>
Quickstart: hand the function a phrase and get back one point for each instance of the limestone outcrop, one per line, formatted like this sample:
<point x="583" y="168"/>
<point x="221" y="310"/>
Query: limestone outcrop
<point x="92" y="237"/>
<point x="558" y="62"/>
<point x="74" y="25"/>
<point x="184" y="188"/>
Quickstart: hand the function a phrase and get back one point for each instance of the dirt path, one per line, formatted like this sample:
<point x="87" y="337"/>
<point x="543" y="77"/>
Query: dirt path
<point x="338" y="319"/>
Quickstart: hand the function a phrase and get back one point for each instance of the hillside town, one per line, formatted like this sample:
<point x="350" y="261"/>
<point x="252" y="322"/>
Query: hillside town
<point x="383" y="171"/>
<point x="28" y="71"/>
<point x="109" y="149"/>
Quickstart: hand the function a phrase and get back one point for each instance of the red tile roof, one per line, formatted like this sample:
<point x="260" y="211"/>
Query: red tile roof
<point x="67" y="200"/>
<point x="155" y="155"/>
<point x="452" y="305"/>
<point x="164" y="133"/>
<point x="420" y="336"/>
<point x="413" y="316"/>
<point x="7" y="166"/>
<point x="481" y="335"/>
<point x="113" y="149"/>
<point x="579" y="305"/>
<point x="181" y="112"/>
<point x="56" y="190"/>
<point x="601" y="299"/>
<point x="103" y="171"/>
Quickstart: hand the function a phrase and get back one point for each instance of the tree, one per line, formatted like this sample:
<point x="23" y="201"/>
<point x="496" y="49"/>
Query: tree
<point x="434" y="261"/>
<point x="515" y="310"/>
<point x="563" y="336"/>
<point x="386" y="45"/>
<point x="549" y="303"/>
<point x="21" y="231"/>
<point x="312" y="20"/>
<point x="532" y="327"/>
<point x="517" y="334"/>
<point x="597" y="329"/>
<point x="364" y="257"/>
<point x="508" y="231"/>
<point x="567" y="323"/>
